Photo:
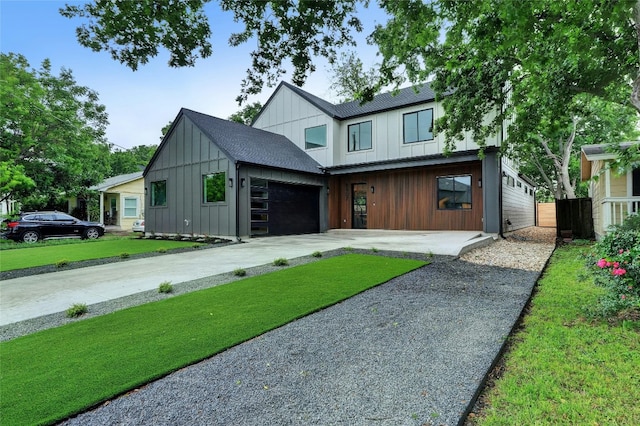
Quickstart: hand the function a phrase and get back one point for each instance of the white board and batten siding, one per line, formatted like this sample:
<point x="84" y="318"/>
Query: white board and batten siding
<point x="289" y="115"/>
<point x="518" y="200"/>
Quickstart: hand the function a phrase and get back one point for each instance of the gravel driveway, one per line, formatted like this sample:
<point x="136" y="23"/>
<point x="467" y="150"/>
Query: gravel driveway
<point x="413" y="351"/>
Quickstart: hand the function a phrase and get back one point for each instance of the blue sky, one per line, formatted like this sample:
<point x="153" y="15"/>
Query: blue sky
<point x="140" y="103"/>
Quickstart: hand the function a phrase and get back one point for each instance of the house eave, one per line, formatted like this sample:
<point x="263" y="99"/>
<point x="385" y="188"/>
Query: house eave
<point x="408" y="162"/>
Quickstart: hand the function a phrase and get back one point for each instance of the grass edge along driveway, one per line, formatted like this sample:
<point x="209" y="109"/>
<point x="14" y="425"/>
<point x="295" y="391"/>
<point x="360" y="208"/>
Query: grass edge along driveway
<point x="53" y="374"/>
<point x="30" y="256"/>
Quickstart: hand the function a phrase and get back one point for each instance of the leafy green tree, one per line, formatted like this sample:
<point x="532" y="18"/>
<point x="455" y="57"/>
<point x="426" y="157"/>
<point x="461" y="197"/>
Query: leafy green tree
<point x="509" y="59"/>
<point x="549" y="151"/>
<point x="349" y="78"/>
<point x="131" y="160"/>
<point x="12" y="180"/>
<point x="52" y="130"/>
<point x="246" y="114"/>
<point x="165" y="129"/>
<point x="133" y="31"/>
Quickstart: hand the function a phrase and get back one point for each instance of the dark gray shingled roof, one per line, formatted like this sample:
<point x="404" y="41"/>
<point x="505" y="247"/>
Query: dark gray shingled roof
<point x="246" y="144"/>
<point x="383" y="102"/>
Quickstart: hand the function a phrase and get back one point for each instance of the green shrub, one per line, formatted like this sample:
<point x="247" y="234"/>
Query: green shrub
<point x="615" y="264"/>
<point x="348" y="248"/>
<point x="375" y="250"/>
<point x="165" y="287"/>
<point x="316" y="254"/>
<point x="239" y="272"/>
<point x="62" y="263"/>
<point x="280" y="262"/>
<point x="76" y="310"/>
<point x="162" y="250"/>
<point x="124" y="255"/>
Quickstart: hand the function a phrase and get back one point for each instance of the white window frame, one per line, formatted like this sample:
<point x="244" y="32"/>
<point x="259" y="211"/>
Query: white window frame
<point x="124" y="208"/>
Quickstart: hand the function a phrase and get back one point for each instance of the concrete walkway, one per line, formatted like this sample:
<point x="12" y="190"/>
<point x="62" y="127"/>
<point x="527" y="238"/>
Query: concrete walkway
<point x="34" y="296"/>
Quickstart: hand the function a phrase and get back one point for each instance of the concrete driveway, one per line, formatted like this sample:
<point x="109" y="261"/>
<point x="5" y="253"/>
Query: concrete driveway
<point x="34" y="296"/>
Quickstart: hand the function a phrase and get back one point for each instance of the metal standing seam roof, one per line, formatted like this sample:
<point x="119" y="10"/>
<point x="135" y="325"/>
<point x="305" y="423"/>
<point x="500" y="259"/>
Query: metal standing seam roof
<point x="249" y="145"/>
<point x="115" y="181"/>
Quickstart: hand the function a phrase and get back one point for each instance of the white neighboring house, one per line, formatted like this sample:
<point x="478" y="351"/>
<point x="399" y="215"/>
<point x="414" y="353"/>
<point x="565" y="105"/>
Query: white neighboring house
<point x="121" y="200"/>
<point x="613" y="196"/>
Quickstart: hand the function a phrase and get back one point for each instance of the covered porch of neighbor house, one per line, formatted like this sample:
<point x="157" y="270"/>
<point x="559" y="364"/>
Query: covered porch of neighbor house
<point x="615" y="195"/>
<point x="121" y="200"/>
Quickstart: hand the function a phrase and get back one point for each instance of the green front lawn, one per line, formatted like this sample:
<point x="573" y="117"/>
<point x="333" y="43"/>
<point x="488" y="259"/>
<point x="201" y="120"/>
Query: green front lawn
<point x="50" y="375"/>
<point x="563" y="369"/>
<point x="29" y="256"/>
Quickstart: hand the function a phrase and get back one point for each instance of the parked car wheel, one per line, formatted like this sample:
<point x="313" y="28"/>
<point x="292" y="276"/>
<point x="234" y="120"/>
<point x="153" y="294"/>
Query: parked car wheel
<point x="92" y="233"/>
<point x="30" y="237"/>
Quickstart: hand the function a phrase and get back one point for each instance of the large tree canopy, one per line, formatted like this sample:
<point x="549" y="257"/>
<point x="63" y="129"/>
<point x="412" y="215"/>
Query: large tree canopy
<point x="52" y="133"/>
<point x="549" y="152"/>
<point x="500" y="55"/>
<point x="130" y="160"/>
<point x="246" y="114"/>
<point x="133" y="32"/>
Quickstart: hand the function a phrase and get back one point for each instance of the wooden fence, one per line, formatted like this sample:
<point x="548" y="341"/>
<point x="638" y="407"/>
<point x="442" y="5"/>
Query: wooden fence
<point x="546" y="215"/>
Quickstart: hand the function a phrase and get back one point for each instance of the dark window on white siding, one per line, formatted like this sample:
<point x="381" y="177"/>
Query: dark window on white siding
<point x="454" y="192"/>
<point x="359" y="136"/>
<point x="159" y="193"/>
<point x="214" y="187"/>
<point x="418" y="126"/>
<point x="315" y="137"/>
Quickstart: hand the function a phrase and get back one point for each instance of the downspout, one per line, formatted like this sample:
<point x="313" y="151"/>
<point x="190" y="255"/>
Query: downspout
<point x="237" y="186"/>
<point x="501" y="218"/>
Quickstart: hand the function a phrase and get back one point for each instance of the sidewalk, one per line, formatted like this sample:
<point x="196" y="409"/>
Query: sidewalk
<point x="34" y="296"/>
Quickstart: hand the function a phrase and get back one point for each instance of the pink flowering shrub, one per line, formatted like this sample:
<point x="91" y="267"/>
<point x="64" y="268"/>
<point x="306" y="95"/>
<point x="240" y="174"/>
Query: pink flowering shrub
<point x="615" y="263"/>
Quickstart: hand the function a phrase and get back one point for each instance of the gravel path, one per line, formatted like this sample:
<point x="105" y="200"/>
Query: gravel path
<point x="413" y="351"/>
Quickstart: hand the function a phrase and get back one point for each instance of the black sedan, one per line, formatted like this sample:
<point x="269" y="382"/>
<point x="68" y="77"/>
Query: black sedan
<point x="31" y="227"/>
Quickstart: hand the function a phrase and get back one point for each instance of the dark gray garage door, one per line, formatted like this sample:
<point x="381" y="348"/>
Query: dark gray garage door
<point x="286" y="209"/>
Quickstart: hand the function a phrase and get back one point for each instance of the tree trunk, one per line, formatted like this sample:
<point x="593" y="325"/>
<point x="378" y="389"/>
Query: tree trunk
<point x="566" y="158"/>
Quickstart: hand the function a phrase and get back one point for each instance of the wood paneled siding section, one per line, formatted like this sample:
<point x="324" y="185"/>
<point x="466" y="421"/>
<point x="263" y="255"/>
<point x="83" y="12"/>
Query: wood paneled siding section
<point x="518" y="208"/>
<point x="289" y="115"/>
<point x="186" y="157"/>
<point x="406" y="199"/>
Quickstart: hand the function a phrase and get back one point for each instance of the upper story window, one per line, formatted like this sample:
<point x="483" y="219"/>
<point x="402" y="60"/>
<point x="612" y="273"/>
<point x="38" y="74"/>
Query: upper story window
<point x="214" y="188"/>
<point x="360" y="136"/>
<point x="159" y="193"/>
<point x="418" y="126"/>
<point x="454" y="192"/>
<point x="315" y="137"/>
